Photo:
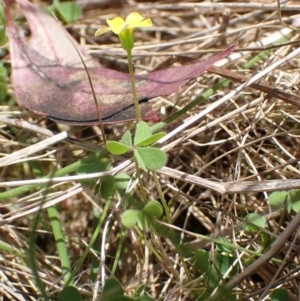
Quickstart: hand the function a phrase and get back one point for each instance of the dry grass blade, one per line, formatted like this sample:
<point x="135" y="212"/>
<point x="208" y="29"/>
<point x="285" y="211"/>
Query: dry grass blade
<point x="13" y="158"/>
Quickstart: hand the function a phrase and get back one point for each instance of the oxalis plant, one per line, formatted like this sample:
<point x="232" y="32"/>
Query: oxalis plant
<point x="146" y="157"/>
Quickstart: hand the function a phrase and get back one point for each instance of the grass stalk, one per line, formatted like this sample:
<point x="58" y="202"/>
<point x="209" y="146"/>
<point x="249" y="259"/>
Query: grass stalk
<point x="60" y="245"/>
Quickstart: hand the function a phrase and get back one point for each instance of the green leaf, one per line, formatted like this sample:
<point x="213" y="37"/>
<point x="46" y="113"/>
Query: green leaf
<point x="98" y="166"/>
<point x="88" y="168"/>
<point x="139" y="290"/>
<point x="255" y="219"/>
<point x="280" y="294"/>
<point x="112" y="289"/>
<point x="276" y="199"/>
<point x="68" y="11"/>
<point x="153" y="158"/>
<point x="294" y="197"/>
<point x="223" y="263"/>
<point x="152" y="139"/>
<point x="223" y="246"/>
<point x="117" y="148"/>
<point x="139" y="160"/>
<point x="69" y="293"/>
<point x="36" y="168"/>
<point x="153" y="208"/>
<point x="126" y="139"/>
<point x="142" y="133"/>
<point x="202" y="261"/>
<point x="107" y="187"/>
<point x="130" y="217"/>
<point x="142" y="221"/>
<point x="212" y="276"/>
<point x="122" y="180"/>
<point x="214" y="271"/>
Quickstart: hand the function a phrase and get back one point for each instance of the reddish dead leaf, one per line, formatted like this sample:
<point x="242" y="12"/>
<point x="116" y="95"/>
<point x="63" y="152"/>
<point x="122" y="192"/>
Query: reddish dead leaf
<point x="49" y="78"/>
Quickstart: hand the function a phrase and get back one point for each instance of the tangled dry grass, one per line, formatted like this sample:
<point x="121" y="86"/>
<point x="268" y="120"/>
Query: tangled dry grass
<point x="225" y="155"/>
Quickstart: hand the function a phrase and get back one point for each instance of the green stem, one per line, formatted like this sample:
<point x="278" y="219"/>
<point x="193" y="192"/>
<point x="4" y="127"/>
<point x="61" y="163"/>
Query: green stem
<point x="153" y="250"/>
<point x="32" y="256"/>
<point x="138" y="174"/>
<point x="162" y="198"/>
<point x="59" y="173"/>
<point x="118" y="253"/>
<point x="132" y="82"/>
<point x="60" y="245"/>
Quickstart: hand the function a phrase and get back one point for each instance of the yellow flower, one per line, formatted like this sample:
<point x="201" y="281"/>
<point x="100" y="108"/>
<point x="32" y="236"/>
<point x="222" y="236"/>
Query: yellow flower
<point x="124" y="29"/>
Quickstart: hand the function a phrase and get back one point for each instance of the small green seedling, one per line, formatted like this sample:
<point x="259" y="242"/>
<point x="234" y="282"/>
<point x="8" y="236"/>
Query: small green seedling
<point x="147" y="157"/>
<point x="291" y="200"/>
<point x="131" y="217"/>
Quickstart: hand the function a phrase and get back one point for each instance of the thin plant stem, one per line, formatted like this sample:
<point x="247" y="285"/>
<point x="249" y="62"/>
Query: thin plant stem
<point x="165" y="259"/>
<point x="138" y="174"/>
<point x="60" y="245"/>
<point x="32" y="257"/>
<point x="132" y="82"/>
<point x="149" y="245"/>
<point x="162" y="198"/>
<point x="118" y="253"/>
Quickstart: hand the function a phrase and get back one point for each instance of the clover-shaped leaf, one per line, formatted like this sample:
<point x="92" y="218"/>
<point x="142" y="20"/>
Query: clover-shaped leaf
<point x="150" y="158"/>
<point x="69" y="293"/>
<point x="117" y="148"/>
<point x="257" y="221"/>
<point x="126" y="139"/>
<point x="139" y="160"/>
<point x="143" y="135"/>
<point x="112" y="289"/>
<point x="130" y="217"/>
<point x="121" y="147"/>
<point x="277" y="198"/>
<point x="153" y="208"/>
<point x="142" y="132"/>
<point x="294" y="199"/>
<point x="121" y="180"/>
<point x="152" y="139"/>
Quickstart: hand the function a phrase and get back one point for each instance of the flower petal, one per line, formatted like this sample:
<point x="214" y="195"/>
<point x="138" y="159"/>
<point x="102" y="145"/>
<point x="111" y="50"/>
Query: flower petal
<point x="135" y="20"/>
<point x="116" y="25"/>
<point x="101" y="31"/>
